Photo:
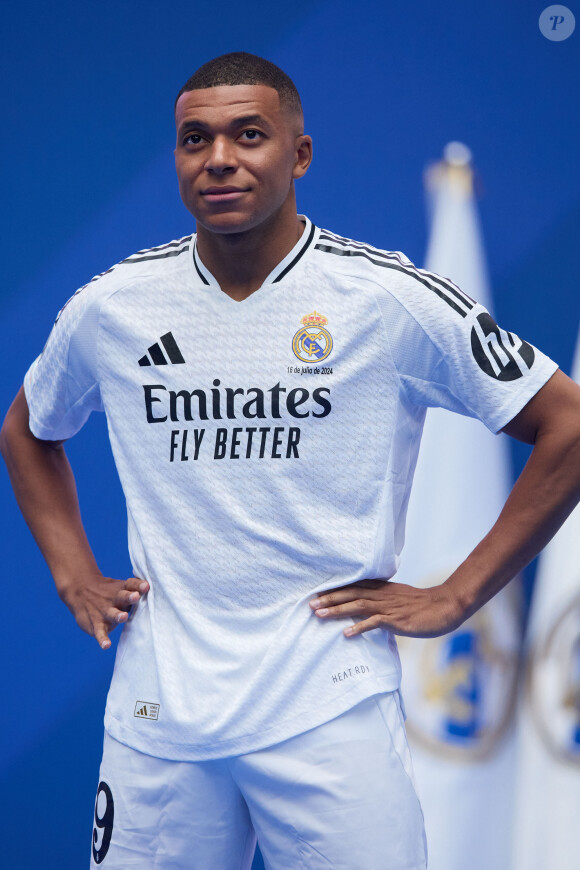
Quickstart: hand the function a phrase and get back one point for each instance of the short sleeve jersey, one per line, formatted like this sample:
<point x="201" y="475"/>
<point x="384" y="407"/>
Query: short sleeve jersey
<point x="266" y="450"/>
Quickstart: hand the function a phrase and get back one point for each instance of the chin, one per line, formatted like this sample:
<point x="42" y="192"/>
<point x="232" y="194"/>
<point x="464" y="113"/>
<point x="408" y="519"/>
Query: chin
<point x="226" y="224"/>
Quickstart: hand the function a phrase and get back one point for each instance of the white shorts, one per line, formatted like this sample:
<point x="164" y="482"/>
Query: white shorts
<point x="338" y="797"/>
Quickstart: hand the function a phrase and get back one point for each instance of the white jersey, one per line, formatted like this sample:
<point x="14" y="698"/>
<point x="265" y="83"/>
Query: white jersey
<point x="266" y="450"/>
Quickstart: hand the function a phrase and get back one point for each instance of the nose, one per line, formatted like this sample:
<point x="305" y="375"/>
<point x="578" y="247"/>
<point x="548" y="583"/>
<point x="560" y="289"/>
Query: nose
<point x="221" y="158"/>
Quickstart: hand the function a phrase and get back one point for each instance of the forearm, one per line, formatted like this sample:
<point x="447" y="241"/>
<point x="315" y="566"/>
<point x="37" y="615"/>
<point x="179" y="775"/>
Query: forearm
<point x="544" y="495"/>
<point x="45" y="489"/>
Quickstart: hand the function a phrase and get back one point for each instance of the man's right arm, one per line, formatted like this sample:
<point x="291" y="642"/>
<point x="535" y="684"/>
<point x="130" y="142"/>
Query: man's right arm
<point x="46" y="492"/>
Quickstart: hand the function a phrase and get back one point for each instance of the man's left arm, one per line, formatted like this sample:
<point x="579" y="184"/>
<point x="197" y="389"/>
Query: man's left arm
<point x="543" y="496"/>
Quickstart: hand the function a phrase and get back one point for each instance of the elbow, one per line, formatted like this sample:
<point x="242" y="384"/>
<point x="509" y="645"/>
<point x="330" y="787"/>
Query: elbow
<point x="15" y="426"/>
<point x="5" y="436"/>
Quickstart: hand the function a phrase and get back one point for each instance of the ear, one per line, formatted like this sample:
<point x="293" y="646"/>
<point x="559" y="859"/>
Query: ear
<point x="303" y="156"/>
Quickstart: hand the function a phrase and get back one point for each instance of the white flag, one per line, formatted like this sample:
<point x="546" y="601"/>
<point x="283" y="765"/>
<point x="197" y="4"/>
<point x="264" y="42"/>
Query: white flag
<point x="459" y="689"/>
<point x="547" y="827"/>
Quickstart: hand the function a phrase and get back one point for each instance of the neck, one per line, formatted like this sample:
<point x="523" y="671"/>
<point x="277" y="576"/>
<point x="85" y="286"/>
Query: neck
<point x="241" y="262"/>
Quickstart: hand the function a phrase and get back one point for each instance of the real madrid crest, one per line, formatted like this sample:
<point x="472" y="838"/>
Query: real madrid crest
<point x="313" y="342"/>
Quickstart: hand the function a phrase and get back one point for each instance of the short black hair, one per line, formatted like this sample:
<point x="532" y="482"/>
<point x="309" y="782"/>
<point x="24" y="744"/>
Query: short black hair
<point x="242" y="68"/>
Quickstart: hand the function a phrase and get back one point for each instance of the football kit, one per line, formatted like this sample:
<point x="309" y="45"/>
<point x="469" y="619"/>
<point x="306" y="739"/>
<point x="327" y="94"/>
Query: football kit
<point x="266" y="450"/>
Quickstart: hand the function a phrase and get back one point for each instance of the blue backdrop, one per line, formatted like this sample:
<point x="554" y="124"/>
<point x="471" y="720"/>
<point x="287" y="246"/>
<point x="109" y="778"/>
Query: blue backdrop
<point x="88" y="179"/>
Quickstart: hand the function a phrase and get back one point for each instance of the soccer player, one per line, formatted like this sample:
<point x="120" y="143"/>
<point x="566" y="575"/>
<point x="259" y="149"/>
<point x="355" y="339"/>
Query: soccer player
<point x="265" y="384"/>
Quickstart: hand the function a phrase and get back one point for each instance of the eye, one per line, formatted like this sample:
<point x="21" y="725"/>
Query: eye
<point x="192" y="139"/>
<point x="252" y="135"/>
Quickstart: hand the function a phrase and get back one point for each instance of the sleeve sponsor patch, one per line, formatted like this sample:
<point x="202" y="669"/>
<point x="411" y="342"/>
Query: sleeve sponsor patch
<point x="500" y="354"/>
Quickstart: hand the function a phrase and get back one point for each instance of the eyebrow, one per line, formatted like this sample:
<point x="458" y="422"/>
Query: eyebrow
<point x="194" y="124"/>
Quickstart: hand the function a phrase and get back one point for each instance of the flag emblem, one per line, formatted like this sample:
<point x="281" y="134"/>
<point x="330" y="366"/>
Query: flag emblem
<point x="312" y="343"/>
<point x="554" y="684"/>
<point x="461" y="686"/>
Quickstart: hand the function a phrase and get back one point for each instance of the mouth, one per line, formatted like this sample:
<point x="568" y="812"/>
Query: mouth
<point x="223" y="194"/>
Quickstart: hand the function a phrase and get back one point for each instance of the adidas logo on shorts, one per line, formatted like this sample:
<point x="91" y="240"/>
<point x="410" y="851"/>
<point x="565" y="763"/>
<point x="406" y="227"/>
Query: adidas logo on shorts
<point x="157" y="355"/>
<point x="145" y="710"/>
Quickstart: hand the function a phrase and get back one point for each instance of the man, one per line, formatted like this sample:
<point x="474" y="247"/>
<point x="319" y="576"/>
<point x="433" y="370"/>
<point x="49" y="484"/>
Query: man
<point x="265" y="384"/>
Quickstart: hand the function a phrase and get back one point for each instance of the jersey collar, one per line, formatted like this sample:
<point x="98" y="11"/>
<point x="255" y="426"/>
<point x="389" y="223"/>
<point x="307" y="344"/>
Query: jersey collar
<point x="303" y="244"/>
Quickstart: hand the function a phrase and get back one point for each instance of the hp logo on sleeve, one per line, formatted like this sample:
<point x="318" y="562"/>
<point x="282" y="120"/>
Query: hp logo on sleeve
<point x="500" y="354"/>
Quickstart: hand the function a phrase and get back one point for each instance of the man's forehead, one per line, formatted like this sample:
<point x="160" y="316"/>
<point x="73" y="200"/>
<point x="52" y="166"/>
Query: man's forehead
<point x="230" y="99"/>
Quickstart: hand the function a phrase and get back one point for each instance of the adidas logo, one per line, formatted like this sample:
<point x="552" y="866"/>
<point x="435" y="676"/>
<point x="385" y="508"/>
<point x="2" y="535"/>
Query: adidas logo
<point x="157" y="354"/>
<point x="145" y="710"/>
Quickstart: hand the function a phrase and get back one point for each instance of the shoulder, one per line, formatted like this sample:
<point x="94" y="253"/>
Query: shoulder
<point x="162" y="256"/>
<point x="155" y="262"/>
<point x="390" y="273"/>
